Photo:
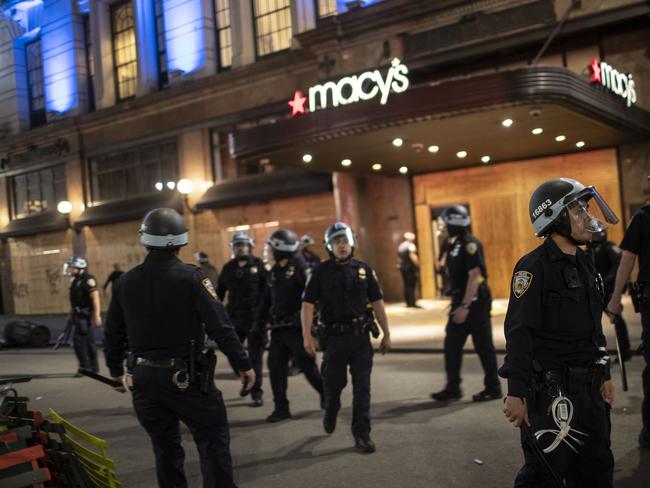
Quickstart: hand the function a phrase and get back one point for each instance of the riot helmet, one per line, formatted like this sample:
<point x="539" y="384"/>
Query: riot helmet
<point x="335" y="230"/>
<point x="306" y="241"/>
<point x="552" y="201"/>
<point x="456" y="219"/>
<point x="283" y="244"/>
<point x="74" y="262"/>
<point x="201" y="258"/>
<point x="241" y="237"/>
<point x="163" y="228"/>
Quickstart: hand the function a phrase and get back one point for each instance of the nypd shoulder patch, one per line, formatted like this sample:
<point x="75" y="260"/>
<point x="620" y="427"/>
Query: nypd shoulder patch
<point x="91" y="282"/>
<point x="471" y="248"/>
<point x="521" y="282"/>
<point x="207" y="284"/>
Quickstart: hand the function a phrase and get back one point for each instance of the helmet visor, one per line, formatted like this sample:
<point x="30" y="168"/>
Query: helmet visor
<point x="346" y="234"/>
<point x="595" y="209"/>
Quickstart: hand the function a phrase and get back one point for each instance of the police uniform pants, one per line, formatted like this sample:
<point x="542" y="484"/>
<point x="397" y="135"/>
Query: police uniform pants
<point x="255" y="345"/>
<point x="592" y="466"/>
<point x="410" y="279"/>
<point x="160" y="405"/>
<point x="84" y="344"/>
<point x="645" y="337"/>
<point x="356" y="352"/>
<point x="479" y="326"/>
<point x="286" y="343"/>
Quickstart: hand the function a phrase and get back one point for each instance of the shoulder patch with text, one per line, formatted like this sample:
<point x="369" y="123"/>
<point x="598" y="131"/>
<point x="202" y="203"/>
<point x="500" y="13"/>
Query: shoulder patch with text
<point x="521" y="282"/>
<point x="207" y="284"/>
<point x="471" y="248"/>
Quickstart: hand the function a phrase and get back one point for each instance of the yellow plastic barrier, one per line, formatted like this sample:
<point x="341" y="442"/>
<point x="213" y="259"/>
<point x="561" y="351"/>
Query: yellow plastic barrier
<point x="99" y="468"/>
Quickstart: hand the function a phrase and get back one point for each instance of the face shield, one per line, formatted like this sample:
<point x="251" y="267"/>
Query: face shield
<point x="593" y="209"/>
<point x="240" y="249"/>
<point x="343" y="233"/>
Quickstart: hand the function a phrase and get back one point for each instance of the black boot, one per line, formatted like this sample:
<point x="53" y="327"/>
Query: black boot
<point x="278" y="416"/>
<point x="448" y="395"/>
<point x="487" y="395"/>
<point x="364" y="445"/>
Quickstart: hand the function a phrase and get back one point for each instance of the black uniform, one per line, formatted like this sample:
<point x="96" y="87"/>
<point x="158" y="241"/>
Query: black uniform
<point x="310" y="258"/>
<point x="409" y="271"/>
<point x="112" y="278"/>
<point x="343" y="292"/>
<point x="637" y="241"/>
<point x="466" y="253"/>
<point x="158" y="307"/>
<point x="245" y="286"/>
<point x="280" y="308"/>
<point x="81" y="286"/>
<point x="554" y="338"/>
<point x="606" y="257"/>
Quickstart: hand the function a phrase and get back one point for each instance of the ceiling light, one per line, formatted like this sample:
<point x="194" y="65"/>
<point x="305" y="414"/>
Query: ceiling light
<point x="485" y="159"/>
<point x="376" y="167"/>
<point x="461" y="154"/>
<point x="507" y="122"/>
<point x="185" y="186"/>
<point x="64" y="207"/>
<point x="397" y="142"/>
<point x="346" y="163"/>
<point x="306" y="158"/>
<point x="580" y="144"/>
<point x="560" y="138"/>
<point x="434" y="149"/>
<point x="403" y="170"/>
<point x="159" y="186"/>
<point x="537" y="131"/>
<point x="171" y="185"/>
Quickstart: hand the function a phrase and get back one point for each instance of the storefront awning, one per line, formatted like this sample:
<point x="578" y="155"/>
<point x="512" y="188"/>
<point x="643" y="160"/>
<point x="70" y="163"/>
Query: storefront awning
<point x="455" y="115"/>
<point x="36" y="224"/>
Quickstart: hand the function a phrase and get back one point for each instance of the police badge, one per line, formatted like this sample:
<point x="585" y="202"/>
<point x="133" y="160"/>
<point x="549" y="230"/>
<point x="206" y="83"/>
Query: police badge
<point x="362" y="273"/>
<point x="521" y="282"/>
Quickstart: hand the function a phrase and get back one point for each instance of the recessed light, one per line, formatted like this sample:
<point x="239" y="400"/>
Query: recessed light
<point x="461" y="154"/>
<point x="434" y="149"/>
<point x="159" y="186"/>
<point x="403" y="170"/>
<point x="171" y="185"/>
<point x="560" y="138"/>
<point x="485" y="159"/>
<point x="306" y="158"/>
<point x="580" y="144"/>
<point x="376" y="167"/>
<point x="507" y="122"/>
<point x="346" y="162"/>
<point x="397" y="142"/>
<point x="537" y="131"/>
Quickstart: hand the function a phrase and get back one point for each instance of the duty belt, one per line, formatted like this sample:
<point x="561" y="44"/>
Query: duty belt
<point x="172" y="363"/>
<point x="284" y="322"/>
<point x="357" y="326"/>
<point x="573" y="379"/>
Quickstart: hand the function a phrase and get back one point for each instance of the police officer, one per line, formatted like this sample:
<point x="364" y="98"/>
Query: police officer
<point x="242" y="279"/>
<point x="556" y="362"/>
<point x="606" y="257"/>
<point x="636" y="243"/>
<point x="343" y="287"/>
<point x="161" y="309"/>
<point x="209" y="271"/>
<point x="307" y="251"/>
<point x="471" y="303"/>
<point x="280" y="309"/>
<point x="84" y="309"/>
<point x="409" y="264"/>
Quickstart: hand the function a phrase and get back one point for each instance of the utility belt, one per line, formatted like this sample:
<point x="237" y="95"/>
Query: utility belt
<point x="357" y="326"/>
<point x="196" y="369"/>
<point x="81" y="312"/>
<point x="287" y="322"/>
<point x="570" y="380"/>
<point x="639" y="293"/>
<point x="483" y="292"/>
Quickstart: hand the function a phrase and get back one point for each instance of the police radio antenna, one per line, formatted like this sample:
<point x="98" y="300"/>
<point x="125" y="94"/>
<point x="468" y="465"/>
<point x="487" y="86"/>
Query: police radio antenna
<point x="556" y="31"/>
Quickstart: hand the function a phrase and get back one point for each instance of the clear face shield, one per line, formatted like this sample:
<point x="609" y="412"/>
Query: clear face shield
<point x="341" y="237"/>
<point x="240" y="249"/>
<point x="589" y="206"/>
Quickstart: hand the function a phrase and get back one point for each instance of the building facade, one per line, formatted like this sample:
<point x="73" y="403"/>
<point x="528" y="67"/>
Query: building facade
<point x="296" y="113"/>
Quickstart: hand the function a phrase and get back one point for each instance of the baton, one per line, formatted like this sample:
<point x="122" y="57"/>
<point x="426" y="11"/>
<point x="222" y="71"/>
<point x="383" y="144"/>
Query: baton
<point x="64" y="336"/>
<point x="529" y="439"/>
<point x="102" y="379"/>
<point x="621" y="362"/>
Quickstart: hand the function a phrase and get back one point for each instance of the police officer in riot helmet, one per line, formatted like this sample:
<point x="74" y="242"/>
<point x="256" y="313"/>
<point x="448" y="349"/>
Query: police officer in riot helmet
<point x="280" y="312"/>
<point x="556" y="362"/>
<point x="242" y="281"/>
<point x="162" y="309"/>
<point x="344" y="287"/>
<point x="636" y="244"/>
<point x="606" y="257"/>
<point x="307" y="251"/>
<point x="471" y="303"/>
<point x="84" y="310"/>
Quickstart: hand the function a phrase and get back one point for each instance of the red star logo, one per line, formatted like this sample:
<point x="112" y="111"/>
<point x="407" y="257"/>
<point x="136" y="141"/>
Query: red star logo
<point x="595" y="70"/>
<point x="297" y="104"/>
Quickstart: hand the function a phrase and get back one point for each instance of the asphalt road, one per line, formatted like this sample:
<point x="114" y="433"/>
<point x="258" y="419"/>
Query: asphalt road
<point x="419" y="443"/>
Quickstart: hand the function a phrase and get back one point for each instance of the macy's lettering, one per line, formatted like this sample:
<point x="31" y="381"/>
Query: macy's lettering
<point x="619" y="83"/>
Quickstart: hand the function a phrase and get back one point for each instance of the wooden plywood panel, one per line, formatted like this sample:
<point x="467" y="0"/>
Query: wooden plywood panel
<point x="38" y="285"/>
<point x="498" y="198"/>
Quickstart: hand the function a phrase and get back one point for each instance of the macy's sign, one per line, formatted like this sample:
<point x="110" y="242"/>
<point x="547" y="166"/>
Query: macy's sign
<point x="352" y="89"/>
<point x="615" y="81"/>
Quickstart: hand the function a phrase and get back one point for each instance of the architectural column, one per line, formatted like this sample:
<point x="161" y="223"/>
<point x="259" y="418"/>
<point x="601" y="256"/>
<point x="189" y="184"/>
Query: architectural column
<point x="100" y="30"/>
<point x="243" y="33"/>
<point x="146" y="45"/>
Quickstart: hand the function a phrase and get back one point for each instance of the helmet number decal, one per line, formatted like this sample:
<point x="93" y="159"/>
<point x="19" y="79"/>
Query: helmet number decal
<point x="521" y="282"/>
<point x="539" y="210"/>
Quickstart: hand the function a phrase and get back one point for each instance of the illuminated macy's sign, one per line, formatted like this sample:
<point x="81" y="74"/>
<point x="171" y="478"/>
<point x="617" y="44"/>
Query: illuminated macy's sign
<point x="353" y="89"/>
<point x="619" y="83"/>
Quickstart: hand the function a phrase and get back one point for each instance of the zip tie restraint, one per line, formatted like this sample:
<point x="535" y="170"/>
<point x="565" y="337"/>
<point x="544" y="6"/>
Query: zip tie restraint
<point x="562" y="412"/>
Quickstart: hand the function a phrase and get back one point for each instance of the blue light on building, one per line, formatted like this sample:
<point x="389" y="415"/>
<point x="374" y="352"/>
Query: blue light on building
<point x="346" y="5"/>
<point x="184" y="35"/>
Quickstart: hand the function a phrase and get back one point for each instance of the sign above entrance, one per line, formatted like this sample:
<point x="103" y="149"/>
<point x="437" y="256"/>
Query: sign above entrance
<point x="619" y="83"/>
<point x="353" y="89"/>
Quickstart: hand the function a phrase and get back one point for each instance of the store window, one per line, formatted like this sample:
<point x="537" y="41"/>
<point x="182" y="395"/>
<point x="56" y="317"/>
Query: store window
<point x="36" y="92"/>
<point x="325" y="8"/>
<point x="125" y="58"/>
<point x="163" y="75"/>
<point x="38" y="191"/>
<point x="139" y="171"/>
<point x="224" y="32"/>
<point x="272" y="25"/>
<point x="90" y="63"/>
